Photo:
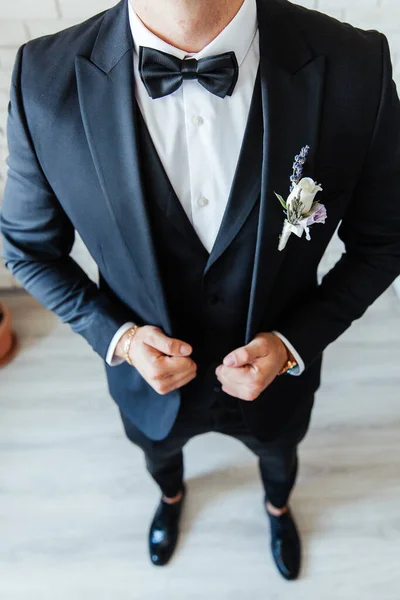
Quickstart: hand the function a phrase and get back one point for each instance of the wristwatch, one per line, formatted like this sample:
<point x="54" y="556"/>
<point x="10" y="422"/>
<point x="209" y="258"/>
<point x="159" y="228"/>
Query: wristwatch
<point x="290" y="364"/>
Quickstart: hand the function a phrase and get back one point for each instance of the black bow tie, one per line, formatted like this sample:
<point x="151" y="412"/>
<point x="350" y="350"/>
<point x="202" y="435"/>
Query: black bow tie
<point x="163" y="73"/>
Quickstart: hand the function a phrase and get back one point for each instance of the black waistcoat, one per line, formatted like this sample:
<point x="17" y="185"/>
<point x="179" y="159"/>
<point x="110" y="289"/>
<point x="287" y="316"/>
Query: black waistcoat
<point x="207" y="293"/>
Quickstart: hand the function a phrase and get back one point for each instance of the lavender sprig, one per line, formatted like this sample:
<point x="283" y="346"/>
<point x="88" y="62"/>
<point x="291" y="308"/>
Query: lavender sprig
<point x="299" y="161"/>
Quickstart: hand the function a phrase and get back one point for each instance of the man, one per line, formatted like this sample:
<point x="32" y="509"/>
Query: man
<point x="161" y="132"/>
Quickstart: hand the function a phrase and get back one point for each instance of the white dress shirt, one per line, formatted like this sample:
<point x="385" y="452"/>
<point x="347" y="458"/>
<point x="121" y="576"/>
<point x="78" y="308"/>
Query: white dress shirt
<point x="196" y="132"/>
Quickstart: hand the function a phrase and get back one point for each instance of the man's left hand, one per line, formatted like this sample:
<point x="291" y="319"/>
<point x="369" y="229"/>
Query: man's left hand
<point x="248" y="370"/>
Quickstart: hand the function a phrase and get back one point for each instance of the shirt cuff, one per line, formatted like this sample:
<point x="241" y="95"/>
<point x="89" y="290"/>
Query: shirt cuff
<point x="112" y="360"/>
<point x="298" y="370"/>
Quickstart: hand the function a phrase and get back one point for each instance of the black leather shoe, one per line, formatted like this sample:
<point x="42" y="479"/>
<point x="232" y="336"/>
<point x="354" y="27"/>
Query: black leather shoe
<point x="164" y="530"/>
<point x="285" y="544"/>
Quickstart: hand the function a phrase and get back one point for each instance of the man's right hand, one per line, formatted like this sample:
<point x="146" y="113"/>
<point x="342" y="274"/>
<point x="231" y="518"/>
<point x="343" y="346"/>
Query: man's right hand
<point x="164" y="362"/>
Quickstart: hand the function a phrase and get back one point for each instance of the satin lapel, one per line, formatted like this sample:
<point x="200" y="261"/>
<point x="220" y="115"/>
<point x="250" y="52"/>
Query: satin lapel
<point x="291" y="87"/>
<point x="106" y="96"/>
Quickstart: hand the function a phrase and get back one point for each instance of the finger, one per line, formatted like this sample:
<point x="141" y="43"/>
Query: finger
<point x="246" y="382"/>
<point x="238" y="391"/>
<point x="175" y="366"/>
<point x="249" y="390"/>
<point x="178" y="383"/>
<point x="245" y="354"/>
<point x="153" y="356"/>
<point x="172" y="383"/>
<point x="157" y="365"/>
<point x="241" y="375"/>
<point x="154" y="337"/>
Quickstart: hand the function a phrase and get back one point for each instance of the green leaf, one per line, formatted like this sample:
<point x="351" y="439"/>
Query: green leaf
<point x="281" y="200"/>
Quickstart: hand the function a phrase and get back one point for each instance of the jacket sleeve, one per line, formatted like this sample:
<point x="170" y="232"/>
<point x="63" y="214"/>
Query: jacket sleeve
<point x="370" y="230"/>
<point x="38" y="238"/>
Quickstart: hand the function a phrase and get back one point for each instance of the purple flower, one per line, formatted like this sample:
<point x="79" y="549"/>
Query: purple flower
<point x="318" y="216"/>
<point x="299" y="161"/>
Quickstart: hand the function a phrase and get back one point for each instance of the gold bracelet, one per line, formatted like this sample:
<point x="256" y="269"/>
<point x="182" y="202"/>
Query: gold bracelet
<point x="127" y="344"/>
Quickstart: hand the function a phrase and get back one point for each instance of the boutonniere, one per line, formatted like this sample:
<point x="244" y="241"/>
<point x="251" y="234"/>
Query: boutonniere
<point x="300" y="208"/>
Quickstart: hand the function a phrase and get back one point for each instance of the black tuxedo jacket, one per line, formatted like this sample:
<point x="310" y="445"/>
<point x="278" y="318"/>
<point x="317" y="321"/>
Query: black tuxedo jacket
<point x="73" y="164"/>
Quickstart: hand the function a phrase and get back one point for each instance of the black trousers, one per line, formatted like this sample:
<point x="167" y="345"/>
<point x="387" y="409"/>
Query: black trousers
<point x="278" y="459"/>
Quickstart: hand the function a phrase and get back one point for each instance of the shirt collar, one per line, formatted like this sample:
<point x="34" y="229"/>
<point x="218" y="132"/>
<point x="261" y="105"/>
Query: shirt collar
<point x="237" y="35"/>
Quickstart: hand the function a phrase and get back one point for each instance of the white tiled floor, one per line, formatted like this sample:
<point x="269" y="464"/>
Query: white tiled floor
<point x="75" y="500"/>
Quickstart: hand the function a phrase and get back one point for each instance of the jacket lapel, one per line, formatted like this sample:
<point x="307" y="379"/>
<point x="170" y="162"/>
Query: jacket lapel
<point x="291" y="88"/>
<point x="106" y="95"/>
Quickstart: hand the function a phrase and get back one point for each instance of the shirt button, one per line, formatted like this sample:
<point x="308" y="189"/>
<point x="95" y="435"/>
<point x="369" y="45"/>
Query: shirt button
<point x="203" y="201"/>
<point x="197" y="120"/>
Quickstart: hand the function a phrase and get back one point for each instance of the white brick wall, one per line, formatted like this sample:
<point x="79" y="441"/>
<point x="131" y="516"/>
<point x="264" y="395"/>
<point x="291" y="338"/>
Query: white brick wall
<point x="21" y="20"/>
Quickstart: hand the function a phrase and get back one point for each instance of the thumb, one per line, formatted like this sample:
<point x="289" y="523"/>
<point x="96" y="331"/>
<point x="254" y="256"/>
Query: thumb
<point x="242" y="356"/>
<point x="156" y="338"/>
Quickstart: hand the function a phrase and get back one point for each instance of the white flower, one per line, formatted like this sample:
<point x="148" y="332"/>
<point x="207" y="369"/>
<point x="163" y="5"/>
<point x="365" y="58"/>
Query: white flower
<point x="300" y="208"/>
<point x="306" y="191"/>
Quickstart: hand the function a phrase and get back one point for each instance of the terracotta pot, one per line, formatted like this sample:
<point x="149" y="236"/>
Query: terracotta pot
<point x="8" y="340"/>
